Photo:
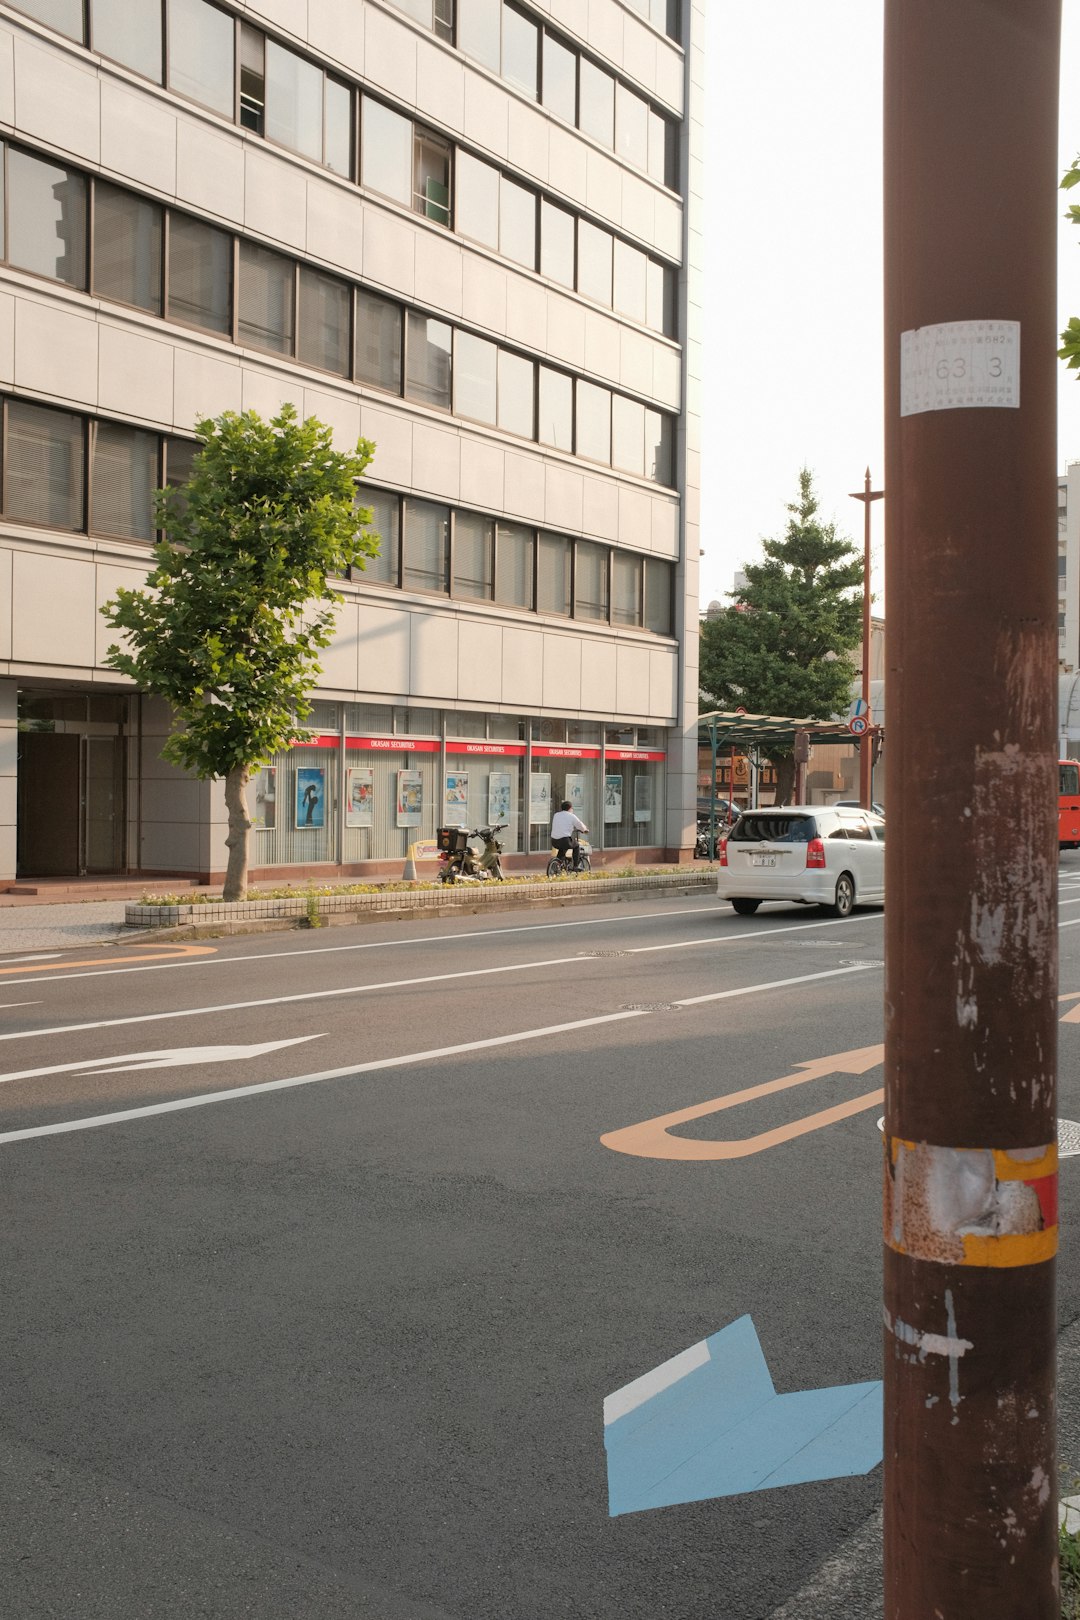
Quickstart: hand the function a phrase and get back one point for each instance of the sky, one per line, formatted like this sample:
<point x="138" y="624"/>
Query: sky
<point x="793" y="300"/>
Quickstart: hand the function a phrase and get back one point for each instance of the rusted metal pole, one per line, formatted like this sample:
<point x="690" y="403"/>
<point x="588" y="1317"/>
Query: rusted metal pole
<point x="971" y="976"/>
<point x="866" y="755"/>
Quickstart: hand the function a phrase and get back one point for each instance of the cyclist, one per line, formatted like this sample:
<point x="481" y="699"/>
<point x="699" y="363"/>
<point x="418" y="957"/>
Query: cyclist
<point x="565" y="826"/>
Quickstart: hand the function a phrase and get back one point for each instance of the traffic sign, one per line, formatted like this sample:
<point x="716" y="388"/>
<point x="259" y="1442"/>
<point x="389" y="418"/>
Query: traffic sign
<point x="858" y="725"/>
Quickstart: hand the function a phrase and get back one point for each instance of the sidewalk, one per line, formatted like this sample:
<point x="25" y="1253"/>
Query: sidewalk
<point x="60" y="927"/>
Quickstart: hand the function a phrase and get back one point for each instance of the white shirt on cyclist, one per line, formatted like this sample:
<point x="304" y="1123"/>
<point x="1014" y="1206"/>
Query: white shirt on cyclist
<point x="564" y="824"/>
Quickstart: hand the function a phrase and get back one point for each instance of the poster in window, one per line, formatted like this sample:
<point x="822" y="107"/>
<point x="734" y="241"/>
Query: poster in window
<point x="498" y="798"/>
<point x="265" y="817"/>
<point x="456" y="799"/>
<point x="359" y="797"/>
<point x="310" y="797"/>
<point x="613" y="798"/>
<point x="410" y="798"/>
<point x="539" y="798"/>
<point x="575" y="792"/>
<point x="642" y="798"/>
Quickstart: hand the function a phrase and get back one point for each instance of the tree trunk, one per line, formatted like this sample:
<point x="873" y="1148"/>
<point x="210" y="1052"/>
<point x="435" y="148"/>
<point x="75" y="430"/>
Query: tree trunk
<point x="785" y="779"/>
<point x="236" y="874"/>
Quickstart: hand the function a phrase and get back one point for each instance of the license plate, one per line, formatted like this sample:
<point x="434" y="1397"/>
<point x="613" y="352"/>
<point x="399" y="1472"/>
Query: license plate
<point x="763" y="860"/>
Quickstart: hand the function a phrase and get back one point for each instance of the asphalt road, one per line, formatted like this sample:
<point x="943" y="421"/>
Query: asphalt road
<point x="316" y="1318"/>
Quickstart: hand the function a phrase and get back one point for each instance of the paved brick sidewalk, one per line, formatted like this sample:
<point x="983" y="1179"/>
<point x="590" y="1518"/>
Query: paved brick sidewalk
<point x="54" y="928"/>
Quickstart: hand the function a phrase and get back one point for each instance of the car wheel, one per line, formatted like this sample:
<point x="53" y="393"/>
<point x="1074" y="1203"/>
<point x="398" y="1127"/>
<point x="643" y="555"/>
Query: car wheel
<point x="746" y="908"/>
<point x="845" y="896"/>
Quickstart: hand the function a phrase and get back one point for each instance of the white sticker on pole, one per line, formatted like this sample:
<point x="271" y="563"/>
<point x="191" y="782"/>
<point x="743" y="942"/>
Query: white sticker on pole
<point x="960" y="364"/>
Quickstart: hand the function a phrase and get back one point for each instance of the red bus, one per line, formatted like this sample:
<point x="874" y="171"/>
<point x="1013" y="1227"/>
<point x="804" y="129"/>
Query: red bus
<point x="1068" y="804"/>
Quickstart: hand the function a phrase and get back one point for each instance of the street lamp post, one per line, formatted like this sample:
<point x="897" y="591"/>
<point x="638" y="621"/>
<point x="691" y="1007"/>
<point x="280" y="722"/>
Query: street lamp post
<point x="866" y="747"/>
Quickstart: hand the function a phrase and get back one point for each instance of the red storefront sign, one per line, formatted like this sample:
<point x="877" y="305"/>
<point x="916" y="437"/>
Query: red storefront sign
<point x="318" y="742"/>
<point x="565" y="753"/>
<point x="635" y="753"/>
<point x="515" y="750"/>
<point x="394" y="745"/>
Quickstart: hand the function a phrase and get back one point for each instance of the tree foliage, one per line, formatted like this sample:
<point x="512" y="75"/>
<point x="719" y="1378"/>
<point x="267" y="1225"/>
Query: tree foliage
<point x="238" y="603"/>
<point x="781" y="648"/>
<point x="1070" y="338"/>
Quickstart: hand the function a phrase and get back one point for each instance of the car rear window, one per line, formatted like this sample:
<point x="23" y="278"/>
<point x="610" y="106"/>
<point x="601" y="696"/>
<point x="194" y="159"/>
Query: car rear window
<point x="774" y="829"/>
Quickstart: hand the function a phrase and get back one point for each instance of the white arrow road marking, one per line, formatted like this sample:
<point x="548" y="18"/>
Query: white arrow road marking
<point x="171" y="1058"/>
<point x="41" y="956"/>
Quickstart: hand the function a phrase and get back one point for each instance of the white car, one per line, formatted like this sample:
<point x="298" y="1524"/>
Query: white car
<point x="813" y="854"/>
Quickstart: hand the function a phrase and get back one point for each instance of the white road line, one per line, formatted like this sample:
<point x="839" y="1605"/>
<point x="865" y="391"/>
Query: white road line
<point x="41" y="956"/>
<point x="5" y="1005"/>
<point x="352" y="1070"/>
<point x="778" y="984"/>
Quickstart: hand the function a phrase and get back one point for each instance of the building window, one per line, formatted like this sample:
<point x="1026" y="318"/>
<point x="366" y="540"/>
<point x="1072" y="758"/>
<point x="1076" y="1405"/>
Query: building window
<point x="630" y="282"/>
<point x="476" y="203"/>
<point x="201" y="46"/>
<point x="627" y="435"/>
<point x="631" y="127"/>
<point x="338" y="137"/>
<point x="127" y="258"/>
<point x="428" y="366"/>
<point x="378" y="342"/>
<point x="658" y="592"/>
<point x="130" y="32"/>
<point x="478" y="31"/>
<point x="557" y="243"/>
<point x="66" y="16"/>
<point x="180" y="457"/>
<point x="556" y="401"/>
<point x="594" y="262"/>
<point x="520" y="50"/>
<point x="517" y="223"/>
<point x="252" y="79"/>
<point x="474" y="556"/>
<point x="660" y="298"/>
<point x="626" y="575"/>
<point x="325" y="304"/>
<point x="593" y="422"/>
<point x="438" y="15"/>
<point x="659" y="447"/>
<point x="559" y="83"/>
<point x="46" y="218"/>
<point x="385" y="510"/>
<point x="591" y="581"/>
<point x="294" y="101"/>
<point x="426" y="548"/>
<point x="514" y="548"/>
<point x="431" y="177"/>
<point x="45" y="471"/>
<point x="517" y="387"/>
<point x="596" y="107"/>
<point x="267" y="299"/>
<point x="124" y="477"/>
<point x="386" y="152"/>
<point x="476" y="378"/>
<point x="553" y="575"/>
<point x="200" y="274"/>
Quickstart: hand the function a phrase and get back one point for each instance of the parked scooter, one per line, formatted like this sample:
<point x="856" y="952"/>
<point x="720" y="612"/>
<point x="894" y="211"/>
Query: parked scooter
<point x="464" y="861"/>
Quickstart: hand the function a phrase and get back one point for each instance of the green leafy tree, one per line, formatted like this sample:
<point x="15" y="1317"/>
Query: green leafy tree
<point x="782" y="647"/>
<point x="238" y="603"/>
<point x="1070" y="338"/>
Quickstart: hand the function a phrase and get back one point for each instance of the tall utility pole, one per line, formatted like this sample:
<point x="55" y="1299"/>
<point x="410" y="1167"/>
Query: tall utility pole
<point x="970" y="1231"/>
<point x="866" y="747"/>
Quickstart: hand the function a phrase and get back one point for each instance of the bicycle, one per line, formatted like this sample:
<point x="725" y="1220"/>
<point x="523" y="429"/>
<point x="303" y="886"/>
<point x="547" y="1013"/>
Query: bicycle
<point x="562" y="865"/>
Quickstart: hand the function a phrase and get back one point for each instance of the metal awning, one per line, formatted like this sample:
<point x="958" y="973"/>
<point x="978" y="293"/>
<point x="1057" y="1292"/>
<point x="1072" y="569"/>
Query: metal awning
<point x="728" y="726"/>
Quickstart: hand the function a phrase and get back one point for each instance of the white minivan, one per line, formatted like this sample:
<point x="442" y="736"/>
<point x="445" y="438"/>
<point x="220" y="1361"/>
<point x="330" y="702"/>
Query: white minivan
<point x="813" y="854"/>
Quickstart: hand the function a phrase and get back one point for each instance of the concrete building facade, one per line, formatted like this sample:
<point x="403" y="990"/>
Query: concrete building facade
<point x="467" y="231"/>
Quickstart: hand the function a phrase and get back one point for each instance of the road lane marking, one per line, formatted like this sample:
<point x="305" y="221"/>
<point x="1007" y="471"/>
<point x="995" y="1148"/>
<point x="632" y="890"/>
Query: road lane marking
<point x="38" y="956"/>
<point x="161" y="951"/>
<point x="6" y="1005"/>
<point x="370" y="1068"/>
<point x="177" y="1057"/>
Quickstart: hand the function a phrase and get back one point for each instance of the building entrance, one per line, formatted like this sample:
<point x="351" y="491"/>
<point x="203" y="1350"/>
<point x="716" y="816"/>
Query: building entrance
<point x="72" y="783"/>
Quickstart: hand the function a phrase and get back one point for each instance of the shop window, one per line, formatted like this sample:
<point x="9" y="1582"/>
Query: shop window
<point x="46" y="218"/>
<point x="124" y="477"/>
<point x="465" y="725"/>
<point x="200" y="274"/>
<point x="631" y="127"/>
<point x="130" y="32"/>
<point x="66" y="16"/>
<point x="476" y="385"/>
<point x="591" y="568"/>
<point x="378" y="342"/>
<point x="386" y="152"/>
<point x="559" y="82"/>
<point x="294" y="101"/>
<point x="596" y="107"/>
<point x="517" y="223"/>
<point x="583" y="733"/>
<point x="324" y="716"/>
<point x="376" y="718"/>
<point x="201" y="46"/>
<point x="267" y="299"/>
<point x="659" y="579"/>
<point x="517" y="384"/>
<point x="520" y="50"/>
<point x="383" y="569"/>
<point x="476" y="207"/>
<point x="557" y="231"/>
<point x="556" y="401"/>
<point x="416" y="722"/>
<point x="325" y="306"/>
<point x="594" y="262"/>
<point x="630" y="282"/>
<point x="431" y="178"/>
<point x="514" y="565"/>
<point x="506" y="728"/>
<point x="127" y="255"/>
<point x="553" y="575"/>
<point x="426" y="547"/>
<point x="252" y="79"/>
<point x="428" y="364"/>
<point x="478" y="32"/>
<point x="626" y="574"/>
<point x="659" y="445"/>
<point x="45" y="471"/>
<point x="627" y="435"/>
<point x="593" y="438"/>
<point x="474" y="556"/>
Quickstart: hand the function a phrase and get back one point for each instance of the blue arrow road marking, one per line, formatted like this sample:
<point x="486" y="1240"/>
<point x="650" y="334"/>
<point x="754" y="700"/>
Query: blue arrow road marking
<point x="710" y="1423"/>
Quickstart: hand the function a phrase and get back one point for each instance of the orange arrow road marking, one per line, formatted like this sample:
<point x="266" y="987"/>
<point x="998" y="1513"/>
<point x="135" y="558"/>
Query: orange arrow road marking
<point x="651" y="1139"/>
<point x="157" y="953"/>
